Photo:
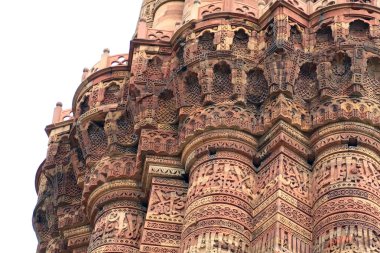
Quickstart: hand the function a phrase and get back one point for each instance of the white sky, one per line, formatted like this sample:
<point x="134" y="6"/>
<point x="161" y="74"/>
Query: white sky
<point x="45" y="44"/>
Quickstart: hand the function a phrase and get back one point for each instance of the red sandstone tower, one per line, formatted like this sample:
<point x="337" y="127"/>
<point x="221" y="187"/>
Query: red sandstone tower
<point x="239" y="126"/>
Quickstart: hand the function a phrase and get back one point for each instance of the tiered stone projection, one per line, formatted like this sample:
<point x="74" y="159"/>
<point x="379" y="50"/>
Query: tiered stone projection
<point x="233" y="126"/>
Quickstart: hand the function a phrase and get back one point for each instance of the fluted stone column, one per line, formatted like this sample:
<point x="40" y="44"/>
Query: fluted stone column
<point x="221" y="192"/>
<point x="346" y="189"/>
<point x="117" y="217"/>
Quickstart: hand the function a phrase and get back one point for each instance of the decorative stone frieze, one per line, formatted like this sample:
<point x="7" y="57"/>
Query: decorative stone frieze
<point x="233" y="126"/>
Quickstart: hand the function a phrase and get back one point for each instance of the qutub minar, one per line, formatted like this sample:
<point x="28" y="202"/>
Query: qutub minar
<point x="241" y="126"/>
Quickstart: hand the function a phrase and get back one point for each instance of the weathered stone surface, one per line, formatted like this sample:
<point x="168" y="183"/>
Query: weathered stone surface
<point x="237" y="126"/>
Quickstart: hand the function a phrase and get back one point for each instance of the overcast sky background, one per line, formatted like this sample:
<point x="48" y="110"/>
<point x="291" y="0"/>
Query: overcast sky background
<point x="44" y="46"/>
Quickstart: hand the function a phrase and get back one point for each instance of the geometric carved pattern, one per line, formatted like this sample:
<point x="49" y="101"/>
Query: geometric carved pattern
<point x="257" y="87"/>
<point x="97" y="138"/>
<point x="222" y="86"/>
<point x="111" y="94"/>
<point x="324" y="37"/>
<point x="307" y="84"/>
<point x="240" y="43"/>
<point x="341" y="70"/>
<point x="192" y="90"/>
<point x="166" y="108"/>
<point x="206" y="42"/>
<point x="243" y="126"/>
